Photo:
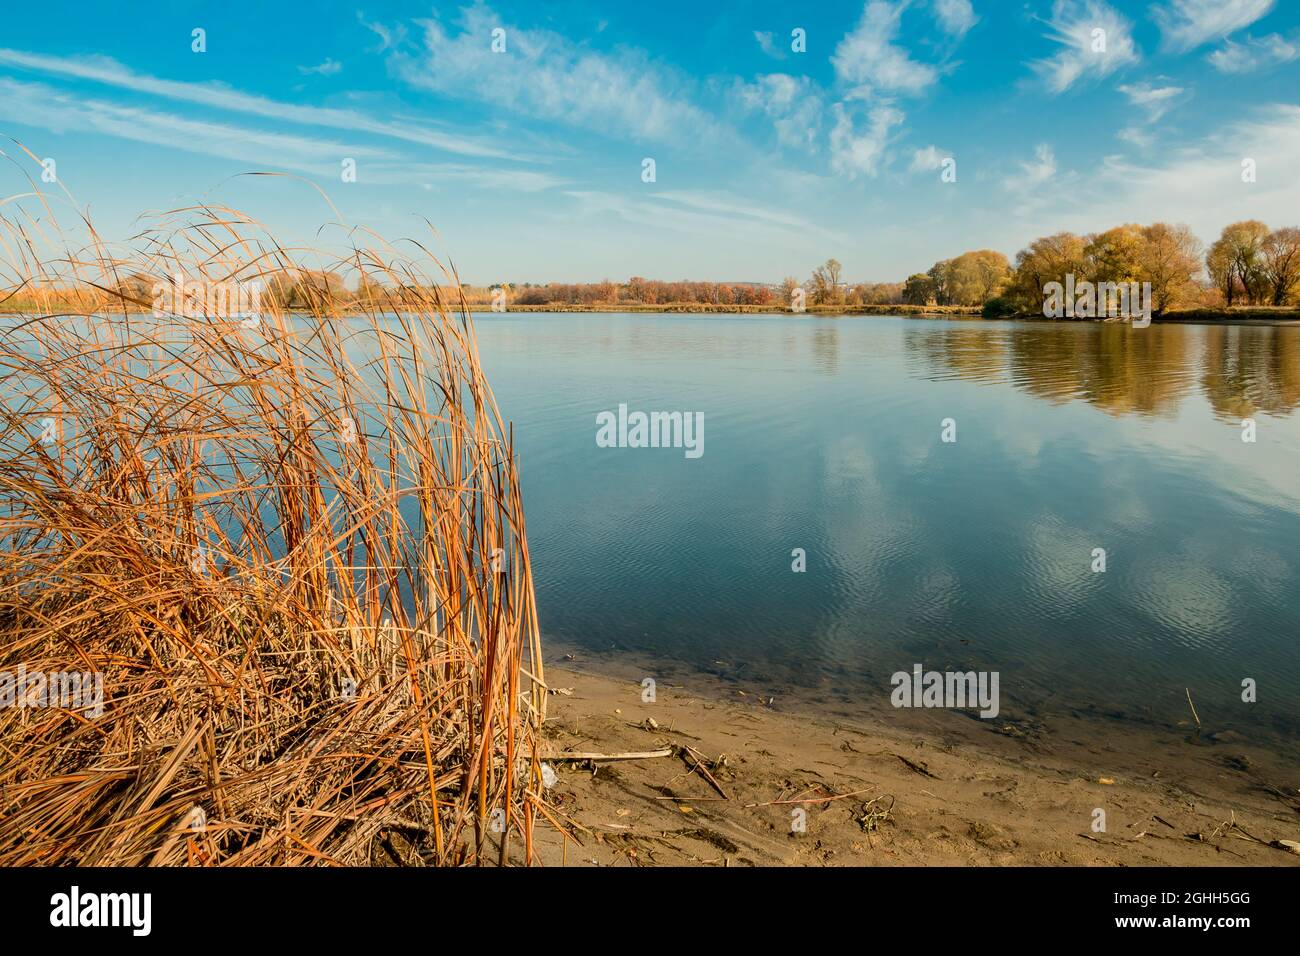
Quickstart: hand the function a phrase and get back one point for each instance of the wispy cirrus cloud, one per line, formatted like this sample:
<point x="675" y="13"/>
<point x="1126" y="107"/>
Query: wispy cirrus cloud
<point x="1095" y="39"/>
<point x="1037" y="171"/>
<point x="1137" y="135"/>
<point x="726" y="204"/>
<point x="1201" y="183"/>
<point x="700" y="213"/>
<point x="109" y="72"/>
<point x="547" y="76"/>
<point x="1155" y="101"/>
<point x="329" y="67"/>
<point x="430" y="175"/>
<point x="390" y="38"/>
<point x="793" y="104"/>
<point x="1037" y="184"/>
<point x="1254" y="54"/>
<point x="43" y="107"/>
<point x="1186" y="24"/>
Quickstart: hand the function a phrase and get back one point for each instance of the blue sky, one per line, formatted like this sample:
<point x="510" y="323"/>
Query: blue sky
<point x="767" y="161"/>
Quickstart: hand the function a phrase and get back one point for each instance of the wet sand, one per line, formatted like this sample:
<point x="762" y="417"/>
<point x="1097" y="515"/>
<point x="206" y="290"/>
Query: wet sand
<point x="916" y="787"/>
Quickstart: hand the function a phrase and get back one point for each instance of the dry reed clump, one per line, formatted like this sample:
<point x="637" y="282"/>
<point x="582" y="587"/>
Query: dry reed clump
<point x="293" y="546"/>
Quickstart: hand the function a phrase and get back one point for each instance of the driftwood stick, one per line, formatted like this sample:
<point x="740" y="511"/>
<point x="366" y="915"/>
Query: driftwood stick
<point x="1195" y="715"/>
<point x="625" y="755"/>
<point x="695" y="760"/>
<point x="784" y="803"/>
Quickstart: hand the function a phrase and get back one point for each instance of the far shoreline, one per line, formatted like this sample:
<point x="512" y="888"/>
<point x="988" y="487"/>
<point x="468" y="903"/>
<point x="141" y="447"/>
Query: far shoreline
<point x="1248" y="316"/>
<point x="1200" y="316"/>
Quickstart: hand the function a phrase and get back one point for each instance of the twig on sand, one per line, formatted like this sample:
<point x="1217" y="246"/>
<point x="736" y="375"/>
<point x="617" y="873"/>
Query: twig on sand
<point x="695" y="760"/>
<point x="623" y="755"/>
<point x="910" y="764"/>
<point x="694" y="799"/>
<point x="784" y="803"/>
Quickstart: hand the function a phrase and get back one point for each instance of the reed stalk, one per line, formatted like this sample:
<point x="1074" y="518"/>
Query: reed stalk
<point x="294" y="549"/>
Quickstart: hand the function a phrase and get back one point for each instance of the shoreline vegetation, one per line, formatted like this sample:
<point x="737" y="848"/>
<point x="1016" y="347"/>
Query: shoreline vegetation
<point x="64" y="301"/>
<point x="1251" y="273"/>
<point x="298" y="572"/>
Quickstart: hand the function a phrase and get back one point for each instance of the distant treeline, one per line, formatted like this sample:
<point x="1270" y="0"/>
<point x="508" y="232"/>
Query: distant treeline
<point x="1248" y="265"/>
<point x="639" y="291"/>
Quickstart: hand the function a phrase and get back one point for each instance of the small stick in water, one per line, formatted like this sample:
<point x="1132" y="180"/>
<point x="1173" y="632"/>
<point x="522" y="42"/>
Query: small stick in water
<point x="1193" y="706"/>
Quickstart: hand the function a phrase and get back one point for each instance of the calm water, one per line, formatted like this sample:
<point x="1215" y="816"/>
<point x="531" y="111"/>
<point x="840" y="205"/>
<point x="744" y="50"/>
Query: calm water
<point x="824" y="434"/>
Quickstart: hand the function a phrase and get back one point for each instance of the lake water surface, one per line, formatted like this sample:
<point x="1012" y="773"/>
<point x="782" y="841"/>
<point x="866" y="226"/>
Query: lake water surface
<point x="825" y="434"/>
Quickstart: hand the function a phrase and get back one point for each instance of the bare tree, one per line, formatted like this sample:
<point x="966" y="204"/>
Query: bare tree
<point x="1281" y="255"/>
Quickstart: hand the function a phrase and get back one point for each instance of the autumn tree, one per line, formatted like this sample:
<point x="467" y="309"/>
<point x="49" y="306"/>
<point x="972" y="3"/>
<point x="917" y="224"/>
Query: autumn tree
<point x="788" y="285"/>
<point x="975" y="277"/>
<point x="1169" y="258"/>
<point x="1114" y="255"/>
<point x="1222" y="268"/>
<point x="941" y="276"/>
<point x="1048" y="259"/>
<point x="825" y="283"/>
<point x="1281" y="263"/>
<point x="919" y="289"/>
<point x="1239" y="260"/>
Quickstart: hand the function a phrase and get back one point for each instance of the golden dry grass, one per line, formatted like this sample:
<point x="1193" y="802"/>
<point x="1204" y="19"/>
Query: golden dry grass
<point x="230" y="524"/>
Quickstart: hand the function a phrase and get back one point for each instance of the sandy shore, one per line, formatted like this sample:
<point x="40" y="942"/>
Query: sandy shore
<point x="932" y="788"/>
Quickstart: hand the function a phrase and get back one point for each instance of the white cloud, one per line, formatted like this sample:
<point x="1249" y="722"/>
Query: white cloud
<point x="1136" y="135"/>
<point x="1187" y="24"/>
<point x="928" y="159"/>
<point x="40" y="106"/>
<point x="1204" y="182"/>
<point x="857" y="150"/>
<point x="1087" y="52"/>
<point x="767" y="44"/>
<point x="1200" y="184"/>
<point x="701" y="213"/>
<point x="955" y="17"/>
<point x="738" y="208"/>
<point x="482" y="177"/>
<point x="792" y="103"/>
<point x="1037" y="171"/>
<point x="388" y="39"/>
<point x="1154" y="100"/>
<point x="868" y="57"/>
<point x="328" y="68"/>
<point x="219" y="96"/>
<point x="547" y="76"/>
<point x="43" y="107"/>
<point x="1254" y="54"/>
